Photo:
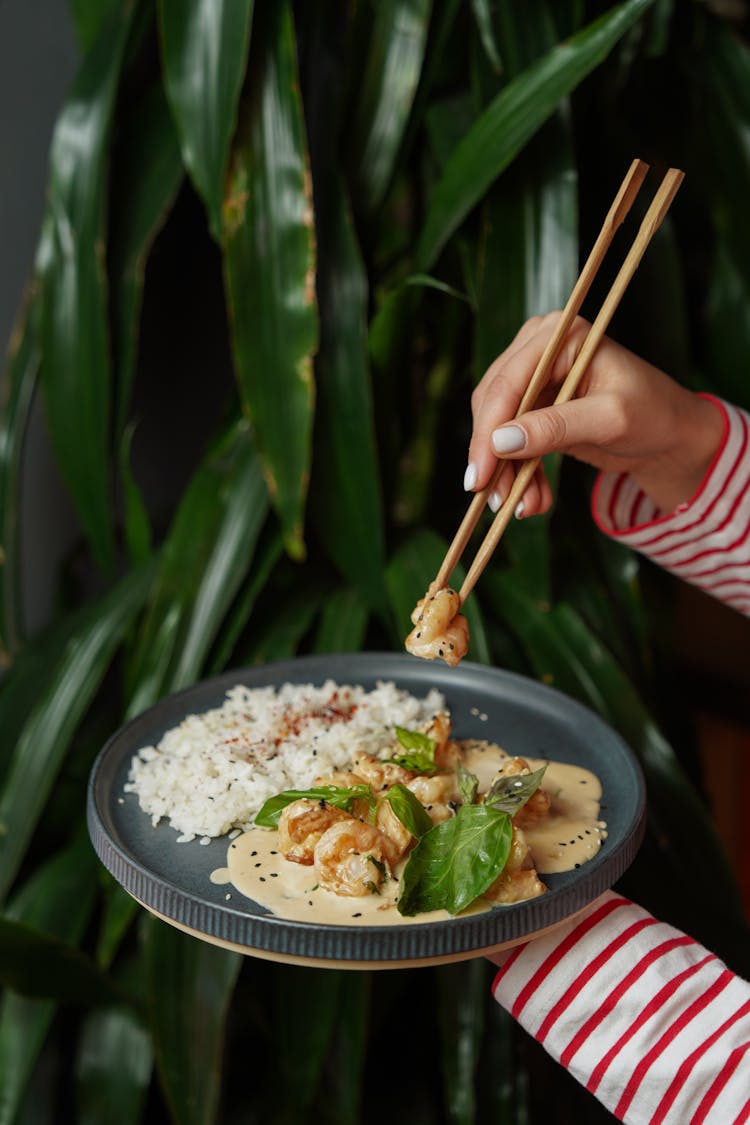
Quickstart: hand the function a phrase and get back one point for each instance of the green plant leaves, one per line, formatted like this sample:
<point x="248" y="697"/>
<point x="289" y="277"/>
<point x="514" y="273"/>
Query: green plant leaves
<point x="269" y="262"/>
<point x="189" y="985"/>
<point x="385" y="92"/>
<point x="62" y="695"/>
<point x="347" y="503"/>
<point x="205" y="557"/>
<point x="113" y="1068"/>
<point x="515" y="115"/>
<point x="76" y="364"/>
<point x="455" y="861"/>
<point x="23" y="368"/>
<point x="204" y="48"/>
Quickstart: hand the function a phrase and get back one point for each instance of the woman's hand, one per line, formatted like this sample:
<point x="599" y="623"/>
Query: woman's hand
<point x="627" y="417"/>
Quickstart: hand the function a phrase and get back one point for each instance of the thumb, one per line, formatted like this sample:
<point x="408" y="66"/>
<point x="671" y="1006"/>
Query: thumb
<point x="552" y="429"/>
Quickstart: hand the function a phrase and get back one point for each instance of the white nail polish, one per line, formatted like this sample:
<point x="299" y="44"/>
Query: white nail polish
<point x="470" y="476"/>
<point x="508" y="439"/>
<point x="494" y="501"/>
<point x="519" y="510"/>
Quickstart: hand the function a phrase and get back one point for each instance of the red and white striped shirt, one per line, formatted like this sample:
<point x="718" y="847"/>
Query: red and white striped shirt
<point x="648" y="1020"/>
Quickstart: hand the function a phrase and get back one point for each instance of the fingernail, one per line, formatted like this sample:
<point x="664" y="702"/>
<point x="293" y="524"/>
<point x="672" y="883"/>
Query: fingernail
<point x="470" y="476"/>
<point x="508" y="439"/>
<point x="519" y="510"/>
<point x="494" y="501"/>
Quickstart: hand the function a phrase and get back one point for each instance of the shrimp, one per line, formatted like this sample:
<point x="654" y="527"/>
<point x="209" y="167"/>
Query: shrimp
<point x="440" y="630"/>
<point x="447" y="753"/>
<point x="301" y="825"/>
<point x="518" y="880"/>
<point x="379" y="774"/>
<point x="345" y="779"/>
<point x="353" y="858"/>
<point x="389" y="824"/>
<point x="538" y="804"/>
<point x="436" y="794"/>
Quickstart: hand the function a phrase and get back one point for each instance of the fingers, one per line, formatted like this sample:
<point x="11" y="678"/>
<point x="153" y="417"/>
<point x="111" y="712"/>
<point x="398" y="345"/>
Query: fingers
<point x="499" y="393"/>
<point x="537" y="497"/>
<point x="597" y="420"/>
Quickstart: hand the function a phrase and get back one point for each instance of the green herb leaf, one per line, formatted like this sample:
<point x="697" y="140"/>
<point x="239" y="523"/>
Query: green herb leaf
<point x="511" y="793"/>
<point x="456" y="861"/>
<point x="421" y="751"/>
<point x="468" y="783"/>
<point x="409" y="810"/>
<point x="338" y="796"/>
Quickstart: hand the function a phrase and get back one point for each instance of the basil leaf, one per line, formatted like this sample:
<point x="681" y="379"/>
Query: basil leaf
<point x="421" y="751"/>
<point x="511" y="793"/>
<point x="468" y="783"/>
<point x="338" y="796"/>
<point x="409" y="810"/>
<point x="456" y="861"/>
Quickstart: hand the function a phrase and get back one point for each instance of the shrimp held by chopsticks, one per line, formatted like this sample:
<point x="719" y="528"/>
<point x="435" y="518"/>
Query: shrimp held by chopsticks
<point x="440" y="630"/>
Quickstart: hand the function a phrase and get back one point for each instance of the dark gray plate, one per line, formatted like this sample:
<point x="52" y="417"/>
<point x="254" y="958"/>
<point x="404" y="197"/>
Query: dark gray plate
<point x="525" y="717"/>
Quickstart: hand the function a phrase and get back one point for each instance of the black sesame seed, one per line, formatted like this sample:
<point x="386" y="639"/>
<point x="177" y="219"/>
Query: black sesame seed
<point x="262" y="878"/>
<point x="357" y="915"/>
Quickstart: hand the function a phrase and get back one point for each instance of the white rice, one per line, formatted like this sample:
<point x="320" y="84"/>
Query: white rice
<point x="212" y="773"/>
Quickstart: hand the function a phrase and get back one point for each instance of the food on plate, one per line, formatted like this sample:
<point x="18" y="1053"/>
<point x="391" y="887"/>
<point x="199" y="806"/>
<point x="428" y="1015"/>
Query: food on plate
<point x="440" y="632"/>
<point x="430" y="828"/>
<point x="211" y="773"/>
<point x="353" y="806"/>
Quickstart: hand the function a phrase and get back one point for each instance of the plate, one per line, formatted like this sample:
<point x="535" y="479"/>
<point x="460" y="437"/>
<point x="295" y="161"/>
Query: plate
<point x="525" y="717"/>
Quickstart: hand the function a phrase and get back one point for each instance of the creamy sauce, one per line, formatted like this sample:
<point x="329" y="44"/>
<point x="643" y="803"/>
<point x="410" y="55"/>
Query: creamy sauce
<point x="569" y="835"/>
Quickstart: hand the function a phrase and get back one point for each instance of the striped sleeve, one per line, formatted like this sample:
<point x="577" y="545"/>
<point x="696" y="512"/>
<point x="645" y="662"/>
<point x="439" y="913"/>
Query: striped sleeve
<point x="706" y="541"/>
<point x="649" y="1021"/>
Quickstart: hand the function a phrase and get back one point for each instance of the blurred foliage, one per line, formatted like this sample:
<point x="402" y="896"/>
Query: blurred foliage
<point x="281" y="243"/>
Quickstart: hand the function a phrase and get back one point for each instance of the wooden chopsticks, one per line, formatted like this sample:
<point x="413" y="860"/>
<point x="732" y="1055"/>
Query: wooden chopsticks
<point x="617" y="212"/>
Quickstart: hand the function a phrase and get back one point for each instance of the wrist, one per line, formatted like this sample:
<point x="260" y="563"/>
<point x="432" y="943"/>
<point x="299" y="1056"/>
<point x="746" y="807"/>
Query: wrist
<point x="699" y="430"/>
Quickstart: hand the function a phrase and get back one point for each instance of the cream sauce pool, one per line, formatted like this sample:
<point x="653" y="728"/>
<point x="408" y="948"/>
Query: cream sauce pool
<point x="567" y="837"/>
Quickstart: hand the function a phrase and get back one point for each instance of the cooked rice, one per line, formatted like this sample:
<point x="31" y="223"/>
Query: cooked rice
<point x="213" y="772"/>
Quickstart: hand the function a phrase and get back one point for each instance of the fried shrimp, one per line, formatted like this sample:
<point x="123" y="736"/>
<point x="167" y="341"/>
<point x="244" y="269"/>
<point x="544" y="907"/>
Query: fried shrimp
<point x="436" y="793"/>
<point x="354" y="858"/>
<point x="518" y="880"/>
<point x="301" y="825"/>
<point x="440" y="630"/>
<point x="380" y="774"/>
<point x="538" y="805"/>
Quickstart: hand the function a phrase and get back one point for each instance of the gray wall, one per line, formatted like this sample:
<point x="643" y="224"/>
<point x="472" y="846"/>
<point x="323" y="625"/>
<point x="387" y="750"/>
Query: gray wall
<point x="38" y="58"/>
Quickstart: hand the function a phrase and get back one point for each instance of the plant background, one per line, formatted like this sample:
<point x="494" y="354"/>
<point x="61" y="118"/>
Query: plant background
<point x="281" y="243"/>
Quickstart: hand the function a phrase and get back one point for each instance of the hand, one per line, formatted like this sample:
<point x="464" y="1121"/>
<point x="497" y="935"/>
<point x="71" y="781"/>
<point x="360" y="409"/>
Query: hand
<point x="627" y="417"/>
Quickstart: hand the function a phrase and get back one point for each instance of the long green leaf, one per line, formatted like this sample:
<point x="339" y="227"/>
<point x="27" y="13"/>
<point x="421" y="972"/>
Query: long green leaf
<point x="89" y="18"/>
<point x="269" y="262"/>
<point x="385" y="93"/>
<point x="204" y="49"/>
<point x="512" y="119"/>
<point x="23" y="368"/>
<point x="301" y="1063"/>
<point x="113" y="1067"/>
<point x="33" y="963"/>
<point x="149" y="172"/>
<point x="204" y="560"/>
<point x="58" y="899"/>
<point x="462" y="1013"/>
<point x="74" y="333"/>
<point x="348" y="507"/>
<point x="61" y="702"/>
<point x="190" y="985"/>
<point x="342" y="624"/>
